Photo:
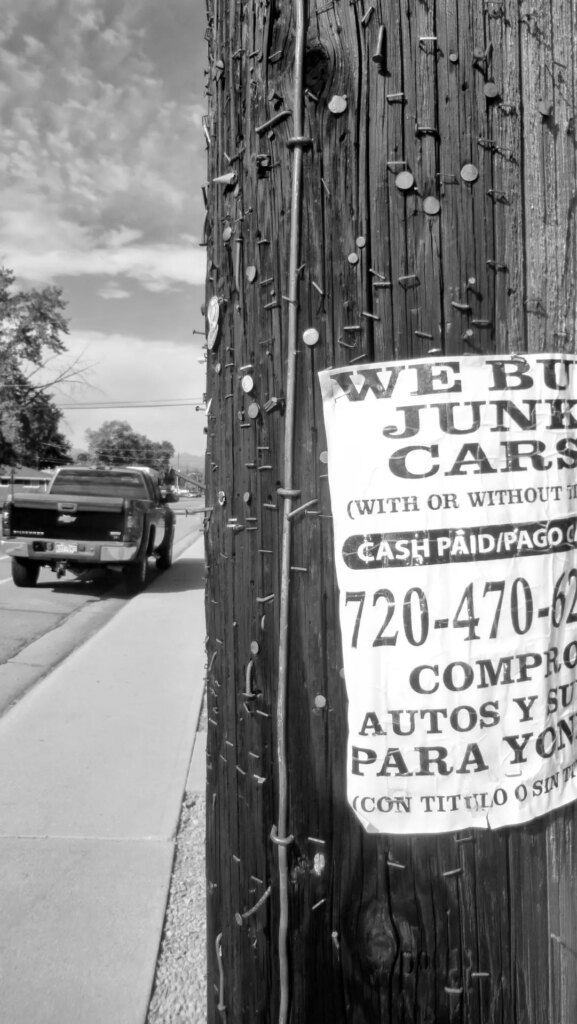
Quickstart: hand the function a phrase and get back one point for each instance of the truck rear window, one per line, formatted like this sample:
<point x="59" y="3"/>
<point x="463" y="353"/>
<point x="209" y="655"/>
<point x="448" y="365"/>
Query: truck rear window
<point x="100" y="485"/>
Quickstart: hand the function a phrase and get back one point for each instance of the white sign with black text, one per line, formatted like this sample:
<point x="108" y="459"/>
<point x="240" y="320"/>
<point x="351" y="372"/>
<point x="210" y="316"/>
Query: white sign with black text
<point x="454" y="501"/>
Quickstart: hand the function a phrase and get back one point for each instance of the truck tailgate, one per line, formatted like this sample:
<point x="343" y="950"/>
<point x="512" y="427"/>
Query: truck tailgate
<point x="67" y="517"/>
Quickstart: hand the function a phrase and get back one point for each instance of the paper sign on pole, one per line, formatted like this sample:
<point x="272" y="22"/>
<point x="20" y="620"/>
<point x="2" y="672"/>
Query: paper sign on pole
<point x="454" y="502"/>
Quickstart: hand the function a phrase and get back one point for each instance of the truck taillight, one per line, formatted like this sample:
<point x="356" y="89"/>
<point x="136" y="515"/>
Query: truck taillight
<point x="131" y="524"/>
<point x="6" y="520"/>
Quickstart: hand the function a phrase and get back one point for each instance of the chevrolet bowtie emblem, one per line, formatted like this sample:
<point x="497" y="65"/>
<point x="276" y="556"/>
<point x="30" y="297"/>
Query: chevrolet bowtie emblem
<point x="66" y="519"/>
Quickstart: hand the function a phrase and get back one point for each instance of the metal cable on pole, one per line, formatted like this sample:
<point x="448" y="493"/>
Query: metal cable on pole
<point x="281" y="838"/>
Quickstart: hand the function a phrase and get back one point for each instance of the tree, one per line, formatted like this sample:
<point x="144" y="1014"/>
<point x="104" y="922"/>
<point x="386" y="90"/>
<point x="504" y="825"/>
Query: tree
<point x="31" y="329"/>
<point x="117" y="444"/>
<point x="43" y="443"/>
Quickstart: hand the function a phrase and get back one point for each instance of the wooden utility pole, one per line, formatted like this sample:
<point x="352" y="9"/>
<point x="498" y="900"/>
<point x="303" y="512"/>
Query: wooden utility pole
<point x="384" y="179"/>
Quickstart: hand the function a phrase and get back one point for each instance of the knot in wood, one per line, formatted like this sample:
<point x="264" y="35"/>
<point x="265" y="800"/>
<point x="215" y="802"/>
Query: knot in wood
<point x="378" y="938"/>
<point x="316" y="70"/>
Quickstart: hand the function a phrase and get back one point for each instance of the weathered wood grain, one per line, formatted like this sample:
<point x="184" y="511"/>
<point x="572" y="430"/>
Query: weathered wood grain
<point x="480" y="927"/>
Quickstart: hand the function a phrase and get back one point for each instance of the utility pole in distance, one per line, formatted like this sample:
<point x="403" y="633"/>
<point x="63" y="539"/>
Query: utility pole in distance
<point x="385" y="180"/>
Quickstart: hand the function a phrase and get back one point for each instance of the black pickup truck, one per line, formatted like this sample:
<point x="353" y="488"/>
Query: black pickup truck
<point x="116" y="518"/>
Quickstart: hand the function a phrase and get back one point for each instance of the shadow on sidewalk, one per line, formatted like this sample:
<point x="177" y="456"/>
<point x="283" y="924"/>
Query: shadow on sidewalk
<point x="99" y="583"/>
<point x="185" y="574"/>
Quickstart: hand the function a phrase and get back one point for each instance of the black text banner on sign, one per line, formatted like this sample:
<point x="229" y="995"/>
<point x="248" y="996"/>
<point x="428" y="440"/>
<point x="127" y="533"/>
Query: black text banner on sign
<point x="454" y="504"/>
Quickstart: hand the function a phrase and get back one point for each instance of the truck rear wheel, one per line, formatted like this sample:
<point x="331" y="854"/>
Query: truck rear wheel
<point x="25" y="572"/>
<point x="135" y="575"/>
<point x="164" y="556"/>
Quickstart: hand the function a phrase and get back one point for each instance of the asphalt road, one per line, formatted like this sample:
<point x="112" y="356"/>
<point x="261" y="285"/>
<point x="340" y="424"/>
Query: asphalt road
<point x="39" y="626"/>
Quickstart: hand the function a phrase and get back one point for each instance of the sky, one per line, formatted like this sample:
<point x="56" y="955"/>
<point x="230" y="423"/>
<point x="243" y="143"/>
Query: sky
<point x="102" y="161"/>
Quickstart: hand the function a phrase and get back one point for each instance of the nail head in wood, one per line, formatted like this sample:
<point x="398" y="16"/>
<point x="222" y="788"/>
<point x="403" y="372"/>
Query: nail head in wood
<point x="431" y="206"/>
<point x="311" y="337"/>
<point x="337" y="105"/>
<point x="405" y="181"/>
<point x="491" y="90"/>
<point x="469" y="173"/>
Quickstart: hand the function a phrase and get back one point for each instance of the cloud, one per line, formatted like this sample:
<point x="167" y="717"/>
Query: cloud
<point x="40" y="246"/>
<point x="126" y="368"/>
<point x="100" y="142"/>
<point x="102" y="156"/>
<point x="112" y="291"/>
<point x="157" y="268"/>
<point x="121" y="236"/>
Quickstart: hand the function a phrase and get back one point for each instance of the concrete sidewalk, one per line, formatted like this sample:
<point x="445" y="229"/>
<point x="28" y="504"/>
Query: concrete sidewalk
<point x="93" y="766"/>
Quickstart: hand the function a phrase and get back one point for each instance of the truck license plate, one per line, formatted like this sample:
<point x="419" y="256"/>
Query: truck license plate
<point x="65" y="549"/>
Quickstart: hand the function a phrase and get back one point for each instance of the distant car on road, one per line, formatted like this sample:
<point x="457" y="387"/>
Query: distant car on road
<point x="169" y="492"/>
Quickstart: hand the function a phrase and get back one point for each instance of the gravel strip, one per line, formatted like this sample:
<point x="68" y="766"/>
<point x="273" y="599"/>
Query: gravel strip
<point x="179" y="993"/>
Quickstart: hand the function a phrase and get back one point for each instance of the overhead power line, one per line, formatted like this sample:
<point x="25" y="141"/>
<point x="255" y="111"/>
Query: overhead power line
<point x="171" y="403"/>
